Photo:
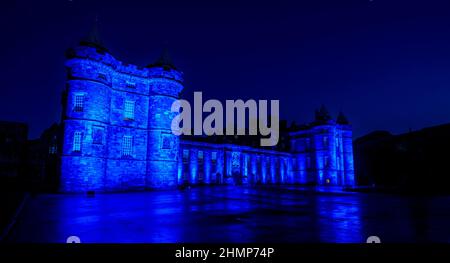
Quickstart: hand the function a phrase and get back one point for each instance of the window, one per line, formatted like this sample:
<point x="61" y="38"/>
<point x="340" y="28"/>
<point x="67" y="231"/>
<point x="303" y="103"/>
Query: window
<point x="102" y="76"/>
<point x="185" y="155"/>
<point x="129" y="110"/>
<point x="97" y="137"/>
<point x="307" y="144"/>
<point x="127" y="146"/>
<point x="214" y="157"/>
<point x="78" y="102"/>
<point x="326" y="162"/>
<point x="130" y="85"/>
<point x="308" y="162"/>
<point x="200" y="156"/>
<point x="325" y="141"/>
<point x="77" y="142"/>
<point x="235" y="159"/>
<point x="52" y="149"/>
<point x="166" y="142"/>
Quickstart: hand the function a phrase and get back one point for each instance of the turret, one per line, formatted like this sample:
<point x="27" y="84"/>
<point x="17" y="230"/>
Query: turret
<point x="85" y="118"/>
<point x="165" y="84"/>
<point x="106" y="121"/>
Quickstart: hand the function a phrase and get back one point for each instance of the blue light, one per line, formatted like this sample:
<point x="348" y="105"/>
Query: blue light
<point x="149" y="157"/>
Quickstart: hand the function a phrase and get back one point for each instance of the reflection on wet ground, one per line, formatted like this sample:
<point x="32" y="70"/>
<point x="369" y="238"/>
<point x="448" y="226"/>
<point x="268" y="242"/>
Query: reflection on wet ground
<point x="234" y="214"/>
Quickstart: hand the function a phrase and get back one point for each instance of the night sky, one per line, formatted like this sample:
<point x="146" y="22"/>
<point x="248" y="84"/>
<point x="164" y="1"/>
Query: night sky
<point x="385" y="63"/>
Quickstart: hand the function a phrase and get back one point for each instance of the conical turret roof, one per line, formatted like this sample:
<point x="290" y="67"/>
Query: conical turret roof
<point x="342" y="119"/>
<point x="164" y="60"/>
<point x="93" y="38"/>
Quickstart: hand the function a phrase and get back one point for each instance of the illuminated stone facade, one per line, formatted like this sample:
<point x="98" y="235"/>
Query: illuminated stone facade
<point x="117" y="136"/>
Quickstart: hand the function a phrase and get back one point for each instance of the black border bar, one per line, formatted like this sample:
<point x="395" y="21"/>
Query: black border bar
<point x="281" y="252"/>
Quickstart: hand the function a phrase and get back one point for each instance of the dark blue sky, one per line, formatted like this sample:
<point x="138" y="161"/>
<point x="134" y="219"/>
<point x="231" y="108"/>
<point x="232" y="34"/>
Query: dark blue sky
<point x="385" y="63"/>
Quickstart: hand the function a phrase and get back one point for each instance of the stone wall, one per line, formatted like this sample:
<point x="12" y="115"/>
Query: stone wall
<point x="321" y="154"/>
<point x="106" y="85"/>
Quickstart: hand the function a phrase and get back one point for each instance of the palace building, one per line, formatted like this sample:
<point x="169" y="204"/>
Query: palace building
<point x="117" y="135"/>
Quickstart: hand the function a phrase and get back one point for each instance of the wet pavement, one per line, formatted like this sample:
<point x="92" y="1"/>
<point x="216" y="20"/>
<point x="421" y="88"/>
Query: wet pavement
<point x="233" y="214"/>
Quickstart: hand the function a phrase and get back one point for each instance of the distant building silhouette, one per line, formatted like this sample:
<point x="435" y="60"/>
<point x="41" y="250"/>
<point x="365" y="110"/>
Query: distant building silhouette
<point x="13" y="139"/>
<point x="43" y="167"/>
<point x="413" y="160"/>
<point x="29" y="165"/>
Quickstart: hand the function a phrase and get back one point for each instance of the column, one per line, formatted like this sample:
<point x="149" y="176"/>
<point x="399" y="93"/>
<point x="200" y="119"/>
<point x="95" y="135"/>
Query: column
<point x="282" y="170"/>
<point x="193" y="166"/>
<point x="207" y="166"/>
<point x="180" y="167"/>
<point x="289" y="170"/>
<point x="244" y="168"/>
<point x="273" y="170"/>
<point x="228" y="170"/>
<point x="263" y="169"/>
<point x="253" y="169"/>
<point x="219" y="167"/>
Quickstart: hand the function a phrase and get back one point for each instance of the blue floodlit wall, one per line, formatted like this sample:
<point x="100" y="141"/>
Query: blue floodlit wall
<point x="157" y="159"/>
<point x="163" y="146"/>
<point x="324" y="155"/>
<point x="106" y="85"/>
<point x="233" y="165"/>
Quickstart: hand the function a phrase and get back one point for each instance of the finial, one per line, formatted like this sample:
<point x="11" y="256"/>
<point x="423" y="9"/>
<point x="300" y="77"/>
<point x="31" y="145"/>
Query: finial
<point x="94" y="35"/>
<point x="322" y="114"/>
<point x="93" y="38"/>
<point x="164" y="59"/>
<point x="342" y="119"/>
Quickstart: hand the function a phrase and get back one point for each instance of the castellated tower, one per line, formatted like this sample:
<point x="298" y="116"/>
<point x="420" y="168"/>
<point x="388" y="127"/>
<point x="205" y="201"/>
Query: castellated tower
<point x="116" y="122"/>
<point x="323" y="151"/>
<point x="165" y="84"/>
<point x="86" y="120"/>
